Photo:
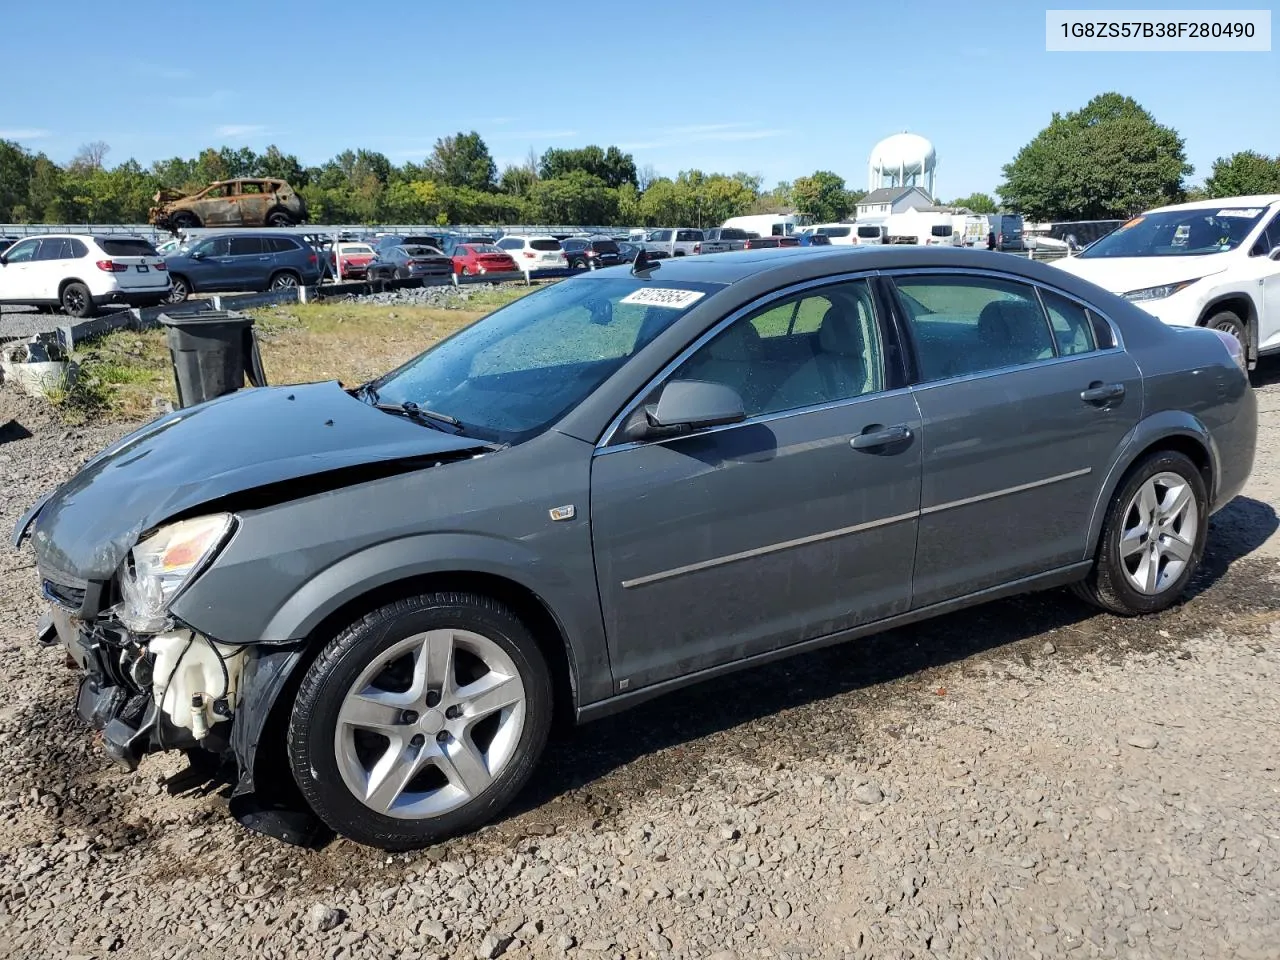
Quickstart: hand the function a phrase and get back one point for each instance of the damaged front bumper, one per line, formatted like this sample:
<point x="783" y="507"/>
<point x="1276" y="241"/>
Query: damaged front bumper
<point x="146" y="694"/>
<point x="174" y="690"/>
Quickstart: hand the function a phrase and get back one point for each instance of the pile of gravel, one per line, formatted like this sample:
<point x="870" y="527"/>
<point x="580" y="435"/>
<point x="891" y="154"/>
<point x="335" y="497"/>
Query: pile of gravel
<point x="445" y="296"/>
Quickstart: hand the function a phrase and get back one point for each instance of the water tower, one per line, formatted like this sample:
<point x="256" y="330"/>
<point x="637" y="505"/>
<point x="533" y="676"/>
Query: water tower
<point x="902" y="160"/>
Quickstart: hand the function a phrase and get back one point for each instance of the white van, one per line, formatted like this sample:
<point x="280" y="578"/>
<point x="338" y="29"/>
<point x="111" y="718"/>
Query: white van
<point x="925" y="229"/>
<point x="870" y="233"/>
<point x="840" y="234"/>
<point x="768" y="224"/>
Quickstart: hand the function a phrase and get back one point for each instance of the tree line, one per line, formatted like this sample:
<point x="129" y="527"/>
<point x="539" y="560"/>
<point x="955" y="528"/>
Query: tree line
<point x="457" y="183"/>
<point x="1110" y="159"/>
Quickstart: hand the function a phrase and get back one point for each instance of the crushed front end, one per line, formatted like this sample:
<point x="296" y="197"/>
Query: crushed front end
<point x="149" y="681"/>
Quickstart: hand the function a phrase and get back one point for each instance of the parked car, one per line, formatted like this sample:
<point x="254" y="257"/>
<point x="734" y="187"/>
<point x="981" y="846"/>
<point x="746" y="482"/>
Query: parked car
<point x="387" y="242"/>
<point x="354" y="258"/>
<point x="453" y="241"/>
<point x="410" y="261"/>
<point x="722" y="240"/>
<point x="870" y="233"/>
<point x="674" y="241"/>
<point x="1007" y="228"/>
<point x="241" y="261"/>
<point x="81" y="273"/>
<point x="535" y="253"/>
<point x="1212" y="263"/>
<point x="472" y="258"/>
<point x="593" y="252"/>
<point x="809" y="238"/>
<point x="837" y="234"/>
<point x="384" y="594"/>
<point x="245" y="202"/>
<point x="768" y="243"/>
<point x="629" y="249"/>
<point x="7" y="242"/>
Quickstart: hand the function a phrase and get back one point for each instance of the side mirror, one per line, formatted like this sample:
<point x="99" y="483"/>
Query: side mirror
<point x="196" y="254"/>
<point x="1274" y="255"/>
<point x="686" y="405"/>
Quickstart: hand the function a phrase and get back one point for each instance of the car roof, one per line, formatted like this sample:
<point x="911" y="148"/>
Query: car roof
<point x="797" y="263"/>
<point x="1220" y="203"/>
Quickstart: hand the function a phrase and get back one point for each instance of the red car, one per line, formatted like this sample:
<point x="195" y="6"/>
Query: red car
<point x="481" y="258"/>
<point x="354" y="259"/>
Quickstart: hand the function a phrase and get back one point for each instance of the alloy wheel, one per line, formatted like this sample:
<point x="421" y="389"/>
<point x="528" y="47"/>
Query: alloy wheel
<point x="286" y="281"/>
<point x="430" y="723"/>
<point x="74" y="301"/>
<point x="1158" y="536"/>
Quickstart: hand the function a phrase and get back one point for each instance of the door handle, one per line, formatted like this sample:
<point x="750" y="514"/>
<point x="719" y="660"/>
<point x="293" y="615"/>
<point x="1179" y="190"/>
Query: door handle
<point x="881" y="437"/>
<point x="1099" y="392"/>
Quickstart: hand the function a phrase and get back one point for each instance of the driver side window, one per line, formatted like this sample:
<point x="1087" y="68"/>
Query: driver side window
<point x="22" y="252"/>
<point x="822" y="346"/>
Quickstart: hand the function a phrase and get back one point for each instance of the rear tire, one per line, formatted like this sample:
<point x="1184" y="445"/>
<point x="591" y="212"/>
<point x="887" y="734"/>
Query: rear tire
<point x="1152" y="538"/>
<point x="386" y="742"/>
<point x="279" y="218"/>
<point x="77" y="301"/>
<point x="284" y="280"/>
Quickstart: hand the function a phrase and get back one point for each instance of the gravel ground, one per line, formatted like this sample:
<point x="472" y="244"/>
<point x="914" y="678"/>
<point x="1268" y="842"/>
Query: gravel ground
<point x="1025" y="779"/>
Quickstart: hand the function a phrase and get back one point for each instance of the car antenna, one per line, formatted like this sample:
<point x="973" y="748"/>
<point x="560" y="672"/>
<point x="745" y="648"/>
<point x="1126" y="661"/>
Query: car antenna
<point x="643" y="266"/>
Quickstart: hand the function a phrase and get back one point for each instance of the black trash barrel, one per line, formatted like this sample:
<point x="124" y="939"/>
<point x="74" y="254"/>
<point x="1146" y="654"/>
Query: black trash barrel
<point x="213" y="352"/>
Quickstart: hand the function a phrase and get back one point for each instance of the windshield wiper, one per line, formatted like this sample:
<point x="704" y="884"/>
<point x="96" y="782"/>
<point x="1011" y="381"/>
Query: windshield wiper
<point x="430" y="417"/>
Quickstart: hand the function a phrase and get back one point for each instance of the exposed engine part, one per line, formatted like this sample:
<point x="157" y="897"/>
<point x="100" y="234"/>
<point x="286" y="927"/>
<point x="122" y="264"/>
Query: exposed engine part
<point x="190" y="673"/>
<point x="137" y="665"/>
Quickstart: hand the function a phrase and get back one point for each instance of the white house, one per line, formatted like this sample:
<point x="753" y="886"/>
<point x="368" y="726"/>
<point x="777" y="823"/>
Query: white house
<point x="880" y="203"/>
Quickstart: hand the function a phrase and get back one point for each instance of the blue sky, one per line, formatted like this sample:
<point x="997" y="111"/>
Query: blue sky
<point x="776" y="89"/>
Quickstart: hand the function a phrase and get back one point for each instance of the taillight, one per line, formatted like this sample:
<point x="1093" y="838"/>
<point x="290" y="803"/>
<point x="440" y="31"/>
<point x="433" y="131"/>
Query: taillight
<point x="162" y="265"/>
<point x="311" y="258"/>
<point x="110" y="266"/>
<point x="529" y="255"/>
<point x="697" y="248"/>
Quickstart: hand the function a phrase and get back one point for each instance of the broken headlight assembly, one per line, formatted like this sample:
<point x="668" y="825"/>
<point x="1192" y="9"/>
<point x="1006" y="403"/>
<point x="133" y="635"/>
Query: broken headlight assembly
<point x="159" y="566"/>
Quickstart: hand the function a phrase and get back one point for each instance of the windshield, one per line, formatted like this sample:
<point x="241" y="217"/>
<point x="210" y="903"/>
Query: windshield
<point x="1179" y="233"/>
<point x="512" y="374"/>
<point x="420" y="251"/>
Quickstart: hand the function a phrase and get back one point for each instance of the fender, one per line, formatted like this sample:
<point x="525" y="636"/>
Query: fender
<point x="1250" y="319"/>
<point x="1151" y="430"/>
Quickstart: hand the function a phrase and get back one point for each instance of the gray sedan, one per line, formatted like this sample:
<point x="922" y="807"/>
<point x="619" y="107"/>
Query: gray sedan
<point x="373" y="600"/>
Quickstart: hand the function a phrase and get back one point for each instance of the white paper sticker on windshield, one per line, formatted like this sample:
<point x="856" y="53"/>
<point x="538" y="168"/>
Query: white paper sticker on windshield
<point x="664" y="297"/>
<point x="1244" y="212"/>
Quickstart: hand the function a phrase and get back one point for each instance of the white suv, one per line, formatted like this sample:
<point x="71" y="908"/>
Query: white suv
<point x="1212" y="263"/>
<point x="80" y="273"/>
<point x="535" y="253"/>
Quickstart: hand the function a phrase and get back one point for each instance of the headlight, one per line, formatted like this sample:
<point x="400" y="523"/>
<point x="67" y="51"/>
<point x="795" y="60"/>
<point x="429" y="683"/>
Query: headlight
<point x="1157" y="293"/>
<point x="157" y="568"/>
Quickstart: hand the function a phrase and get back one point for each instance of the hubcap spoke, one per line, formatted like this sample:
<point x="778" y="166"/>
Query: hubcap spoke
<point x="1148" y="502"/>
<point x="433" y="664"/>
<point x="375" y="710"/>
<point x="1151" y="575"/>
<point x="1133" y="540"/>
<point x="1176" y="548"/>
<point x="491" y="692"/>
<point x="392" y="773"/>
<point x="1176" y="501"/>
<point x="461" y="762"/>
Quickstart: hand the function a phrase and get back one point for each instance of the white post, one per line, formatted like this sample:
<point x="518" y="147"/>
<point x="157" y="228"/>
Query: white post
<point x="337" y="260"/>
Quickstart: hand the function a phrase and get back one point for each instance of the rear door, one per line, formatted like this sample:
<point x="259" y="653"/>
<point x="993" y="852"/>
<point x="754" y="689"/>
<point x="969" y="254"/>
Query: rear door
<point x="253" y="202"/>
<point x="50" y="267"/>
<point x="1025" y="400"/>
<point x="796" y="523"/>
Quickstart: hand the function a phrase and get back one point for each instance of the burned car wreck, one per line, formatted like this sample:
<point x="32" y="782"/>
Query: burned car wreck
<point x="243" y="202"/>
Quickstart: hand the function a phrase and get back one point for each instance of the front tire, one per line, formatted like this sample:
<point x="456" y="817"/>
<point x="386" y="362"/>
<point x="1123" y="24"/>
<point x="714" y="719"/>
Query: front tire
<point x="421" y="720"/>
<point x="1152" y="539"/>
<point x="1230" y="322"/>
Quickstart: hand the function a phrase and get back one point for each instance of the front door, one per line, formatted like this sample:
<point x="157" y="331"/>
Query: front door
<point x="212" y="270"/>
<point x="254" y="201"/>
<point x="18" y="283"/>
<point x="796" y="523"/>
<point x="1025" y="397"/>
<point x="217" y="208"/>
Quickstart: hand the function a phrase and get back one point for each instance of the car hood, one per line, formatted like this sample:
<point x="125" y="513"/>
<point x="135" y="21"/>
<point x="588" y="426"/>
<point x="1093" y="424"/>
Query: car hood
<point x="243" y="442"/>
<point x="1122" y="274"/>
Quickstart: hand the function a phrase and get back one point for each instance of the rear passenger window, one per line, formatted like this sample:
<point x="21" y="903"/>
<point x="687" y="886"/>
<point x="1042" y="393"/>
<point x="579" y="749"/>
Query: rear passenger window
<point x="819" y="347"/>
<point x="246" y="246"/>
<point x="55" y="249"/>
<point x="965" y="325"/>
<point x="280" y="245"/>
<point x="1072" y="331"/>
